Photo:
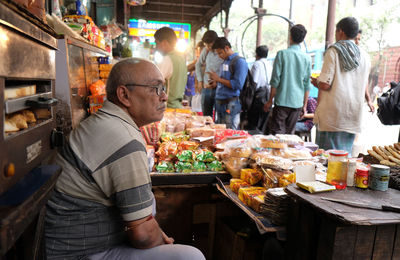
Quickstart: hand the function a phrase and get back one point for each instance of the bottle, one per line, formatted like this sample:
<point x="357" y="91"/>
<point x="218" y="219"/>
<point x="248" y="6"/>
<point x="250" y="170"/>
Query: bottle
<point x="337" y="169"/>
<point x="351" y="171"/>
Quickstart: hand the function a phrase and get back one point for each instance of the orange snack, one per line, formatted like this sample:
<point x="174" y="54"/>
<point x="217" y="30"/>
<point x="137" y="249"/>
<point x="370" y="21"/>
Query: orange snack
<point x="251" y="176"/>
<point x="246" y="194"/>
<point x="236" y="184"/>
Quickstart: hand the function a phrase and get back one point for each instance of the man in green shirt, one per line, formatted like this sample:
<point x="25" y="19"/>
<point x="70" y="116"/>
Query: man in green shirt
<point x="290" y="85"/>
<point x="173" y="66"/>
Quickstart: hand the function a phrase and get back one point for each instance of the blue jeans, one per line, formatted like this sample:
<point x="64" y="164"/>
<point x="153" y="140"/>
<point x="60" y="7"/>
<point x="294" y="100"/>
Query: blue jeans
<point x="228" y="113"/>
<point x="207" y="101"/>
<point x="301" y="127"/>
<point x="335" y="140"/>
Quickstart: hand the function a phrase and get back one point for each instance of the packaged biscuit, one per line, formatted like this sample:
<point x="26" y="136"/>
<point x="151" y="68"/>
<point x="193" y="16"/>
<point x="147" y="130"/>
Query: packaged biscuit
<point x="246" y="193"/>
<point x="236" y="184"/>
<point x="251" y="176"/>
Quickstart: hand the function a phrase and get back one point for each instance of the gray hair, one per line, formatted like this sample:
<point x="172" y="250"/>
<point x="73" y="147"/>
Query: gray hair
<point x="120" y="74"/>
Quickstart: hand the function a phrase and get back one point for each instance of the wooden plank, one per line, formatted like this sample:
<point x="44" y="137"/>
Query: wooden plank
<point x="293" y="230"/>
<point x="348" y="214"/>
<point x="308" y="233"/>
<point x="364" y="242"/>
<point x="326" y="239"/>
<point x="396" y="247"/>
<point x="345" y="238"/>
<point x="384" y="239"/>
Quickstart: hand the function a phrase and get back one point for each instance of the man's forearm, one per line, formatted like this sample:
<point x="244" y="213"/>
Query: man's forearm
<point x="272" y="94"/>
<point x="224" y="82"/>
<point x="305" y="100"/>
<point x="147" y="234"/>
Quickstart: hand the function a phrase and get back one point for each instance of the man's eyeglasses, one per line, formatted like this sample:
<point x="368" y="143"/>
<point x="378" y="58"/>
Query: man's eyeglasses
<point x="160" y="88"/>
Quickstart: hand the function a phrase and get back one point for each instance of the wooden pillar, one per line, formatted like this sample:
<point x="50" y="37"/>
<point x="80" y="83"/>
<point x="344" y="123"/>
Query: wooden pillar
<point x="259" y="12"/>
<point x="330" y="24"/>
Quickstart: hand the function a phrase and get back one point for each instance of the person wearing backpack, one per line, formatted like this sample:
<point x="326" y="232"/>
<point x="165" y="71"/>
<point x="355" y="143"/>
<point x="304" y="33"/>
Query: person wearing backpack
<point x="290" y="85"/>
<point x="341" y="85"/>
<point x="257" y="116"/>
<point x="208" y="61"/>
<point x="229" y="84"/>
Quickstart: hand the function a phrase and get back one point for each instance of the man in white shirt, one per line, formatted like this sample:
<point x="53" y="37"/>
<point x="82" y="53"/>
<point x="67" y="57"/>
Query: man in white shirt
<point x="257" y="116"/>
<point x="342" y="82"/>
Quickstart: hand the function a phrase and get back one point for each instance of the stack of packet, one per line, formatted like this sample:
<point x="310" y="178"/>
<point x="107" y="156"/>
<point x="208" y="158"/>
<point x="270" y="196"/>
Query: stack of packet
<point x="276" y="206"/>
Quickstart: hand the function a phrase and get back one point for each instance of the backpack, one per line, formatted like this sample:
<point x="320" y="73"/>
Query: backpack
<point x="389" y="106"/>
<point x="248" y="91"/>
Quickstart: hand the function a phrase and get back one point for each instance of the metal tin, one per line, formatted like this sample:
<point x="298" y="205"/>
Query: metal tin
<point x="379" y="177"/>
<point x="361" y="179"/>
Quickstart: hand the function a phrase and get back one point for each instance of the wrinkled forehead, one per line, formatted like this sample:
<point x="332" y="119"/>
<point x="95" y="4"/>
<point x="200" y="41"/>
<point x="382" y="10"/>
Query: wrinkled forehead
<point x="145" y="72"/>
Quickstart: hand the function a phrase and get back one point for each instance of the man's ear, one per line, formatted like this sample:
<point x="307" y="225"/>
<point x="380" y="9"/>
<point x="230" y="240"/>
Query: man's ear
<point x="123" y="95"/>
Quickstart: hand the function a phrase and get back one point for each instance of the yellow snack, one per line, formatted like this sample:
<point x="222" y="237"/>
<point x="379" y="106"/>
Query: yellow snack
<point x="236" y="184"/>
<point x="251" y="176"/>
<point x="246" y="193"/>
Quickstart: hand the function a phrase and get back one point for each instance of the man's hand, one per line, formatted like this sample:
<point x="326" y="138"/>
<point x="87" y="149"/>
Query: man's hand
<point x="303" y="113"/>
<point x="314" y="82"/>
<point x="371" y="107"/>
<point x="267" y="106"/>
<point x="213" y="75"/>
<point x="167" y="240"/>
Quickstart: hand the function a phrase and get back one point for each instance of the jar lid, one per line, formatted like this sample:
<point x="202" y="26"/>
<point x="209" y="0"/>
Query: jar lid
<point x="338" y="153"/>
<point x="362" y="171"/>
<point x="380" y="167"/>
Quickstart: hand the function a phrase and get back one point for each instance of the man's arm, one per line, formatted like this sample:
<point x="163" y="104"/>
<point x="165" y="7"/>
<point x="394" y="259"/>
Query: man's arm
<point x="305" y="100"/>
<point x="146" y="233"/>
<point x="369" y="102"/>
<point x="268" y="105"/>
<point x="214" y="76"/>
<point x="199" y="64"/>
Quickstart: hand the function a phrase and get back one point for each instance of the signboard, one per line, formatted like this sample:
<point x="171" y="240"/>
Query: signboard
<point x="146" y="29"/>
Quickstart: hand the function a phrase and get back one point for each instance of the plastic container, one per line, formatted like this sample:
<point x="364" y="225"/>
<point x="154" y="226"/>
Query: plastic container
<point x="379" y="177"/>
<point x="361" y="178"/>
<point x="351" y="171"/>
<point x="337" y="169"/>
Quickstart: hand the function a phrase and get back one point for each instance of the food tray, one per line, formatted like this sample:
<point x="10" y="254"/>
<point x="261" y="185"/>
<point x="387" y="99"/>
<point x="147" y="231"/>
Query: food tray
<point x="178" y="178"/>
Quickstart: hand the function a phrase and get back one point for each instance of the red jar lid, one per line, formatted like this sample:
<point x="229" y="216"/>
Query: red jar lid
<point x="362" y="171"/>
<point x="338" y="153"/>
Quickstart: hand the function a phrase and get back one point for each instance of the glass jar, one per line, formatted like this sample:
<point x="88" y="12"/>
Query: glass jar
<point x="361" y="179"/>
<point x="337" y="169"/>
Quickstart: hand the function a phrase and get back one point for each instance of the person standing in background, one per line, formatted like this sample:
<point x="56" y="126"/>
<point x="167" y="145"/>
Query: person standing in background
<point x="229" y="84"/>
<point x="290" y="85"/>
<point x="341" y="85"/>
<point x="257" y="115"/>
<point x="191" y="85"/>
<point x="173" y="66"/>
<point x="212" y="62"/>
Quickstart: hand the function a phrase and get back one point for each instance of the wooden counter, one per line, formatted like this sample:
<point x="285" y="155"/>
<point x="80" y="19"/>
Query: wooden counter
<point x="320" y="229"/>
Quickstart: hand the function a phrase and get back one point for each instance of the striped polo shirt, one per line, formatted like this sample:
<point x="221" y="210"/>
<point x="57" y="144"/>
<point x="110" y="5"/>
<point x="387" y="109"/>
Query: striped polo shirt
<point x="104" y="182"/>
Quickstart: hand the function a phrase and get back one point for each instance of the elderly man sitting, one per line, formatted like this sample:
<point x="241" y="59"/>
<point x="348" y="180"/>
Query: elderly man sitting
<point x="103" y="206"/>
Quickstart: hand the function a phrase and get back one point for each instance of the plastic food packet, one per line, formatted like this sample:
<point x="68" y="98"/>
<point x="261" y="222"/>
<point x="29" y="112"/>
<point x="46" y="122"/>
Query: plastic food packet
<point x="236" y="184"/>
<point x="215" y="166"/>
<point x="165" y="166"/>
<point x="251" y="176"/>
<point x="185" y="156"/>
<point x="234" y="165"/>
<point x="246" y="193"/>
<point x="167" y="151"/>
<point x="272" y="177"/>
<point x="188" y="145"/>
<point x="199" y="167"/>
<point x="151" y="133"/>
<point x="184" y="167"/>
<point x="98" y="88"/>
<point x="205" y="156"/>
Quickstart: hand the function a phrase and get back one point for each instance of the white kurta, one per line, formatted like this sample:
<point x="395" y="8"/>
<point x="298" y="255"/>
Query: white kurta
<point x="340" y="108"/>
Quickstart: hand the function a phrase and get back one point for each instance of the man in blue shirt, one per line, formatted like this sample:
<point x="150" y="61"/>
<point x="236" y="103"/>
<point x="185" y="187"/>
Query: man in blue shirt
<point x="229" y="85"/>
<point x="290" y="85"/>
